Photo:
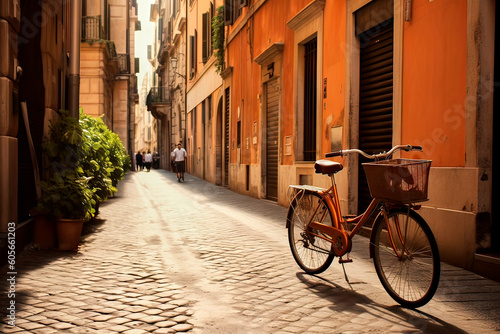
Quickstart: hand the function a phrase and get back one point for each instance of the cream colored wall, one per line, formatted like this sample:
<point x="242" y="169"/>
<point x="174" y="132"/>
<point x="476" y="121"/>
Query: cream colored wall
<point x="120" y="105"/>
<point x="92" y="83"/>
<point x="118" y="24"/>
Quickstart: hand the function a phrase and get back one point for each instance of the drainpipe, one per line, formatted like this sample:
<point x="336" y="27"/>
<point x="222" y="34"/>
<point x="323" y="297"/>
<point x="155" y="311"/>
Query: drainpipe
<point x="186" y="78"/>
<point x="74" y="59"/>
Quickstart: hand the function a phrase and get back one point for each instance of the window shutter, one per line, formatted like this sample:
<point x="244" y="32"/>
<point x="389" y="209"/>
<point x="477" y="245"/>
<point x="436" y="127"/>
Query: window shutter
<point x="228" y="12"/>
<point x="205" y="37"/>
<point x="160" y="28"/>
<point x="193" y="60"/>
<point x="169" y="31"/>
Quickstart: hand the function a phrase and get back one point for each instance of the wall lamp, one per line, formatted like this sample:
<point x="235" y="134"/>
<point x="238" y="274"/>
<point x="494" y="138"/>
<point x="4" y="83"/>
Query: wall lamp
<point x="173" y="63"/>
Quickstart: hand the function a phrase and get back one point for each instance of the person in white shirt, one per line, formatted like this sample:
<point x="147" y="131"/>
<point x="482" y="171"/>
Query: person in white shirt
<point x="148" y="159"/>
<point x="180" y="155"/>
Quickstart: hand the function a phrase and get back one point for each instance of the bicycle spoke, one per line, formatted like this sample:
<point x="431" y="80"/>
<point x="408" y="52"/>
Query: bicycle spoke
<point x="405" y="258"/>
<point x="312" y="253"/>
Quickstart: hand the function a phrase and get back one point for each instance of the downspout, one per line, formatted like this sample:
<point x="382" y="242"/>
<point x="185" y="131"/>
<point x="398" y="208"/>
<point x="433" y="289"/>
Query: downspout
<point x="186" y="76"/>
<point x="74" y="59"/>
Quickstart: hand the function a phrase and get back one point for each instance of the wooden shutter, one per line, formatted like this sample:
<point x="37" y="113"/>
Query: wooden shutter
<point x="228" y="12"/>
<point x="310" y="75"/>
<point x="205" y="37"/>
<point x="160" y="28"/>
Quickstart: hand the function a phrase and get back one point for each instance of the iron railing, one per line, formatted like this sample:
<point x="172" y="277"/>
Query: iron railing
<point x="92" y="28"/>
<point x="123" y="63"/>
<point x="158" y="95"/>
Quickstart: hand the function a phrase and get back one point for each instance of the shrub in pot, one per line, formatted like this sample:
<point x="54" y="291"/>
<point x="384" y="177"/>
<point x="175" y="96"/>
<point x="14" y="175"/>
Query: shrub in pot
<point x="65" y="191"/>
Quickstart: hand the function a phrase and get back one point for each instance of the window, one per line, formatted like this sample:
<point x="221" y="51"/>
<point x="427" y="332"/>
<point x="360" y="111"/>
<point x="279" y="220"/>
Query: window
<point x="310" y="59"/>
<point x="209" y="106"/>
<point x="238" y="134"/>
<point x="206" y="38"/>
<point x="192" y="44"/>
<point x="175" y="7"/>
<point x="160" y="28"/>
<point x="232" y="10"/>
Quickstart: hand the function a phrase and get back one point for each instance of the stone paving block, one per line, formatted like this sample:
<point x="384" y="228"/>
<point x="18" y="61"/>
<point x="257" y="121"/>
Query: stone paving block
<point x="151" y="319"/>
<point x="135" y="331"/>
<point x="182" y="327"/>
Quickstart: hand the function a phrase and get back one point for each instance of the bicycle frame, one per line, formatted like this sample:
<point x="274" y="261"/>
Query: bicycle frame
<point x="340" y="235"/>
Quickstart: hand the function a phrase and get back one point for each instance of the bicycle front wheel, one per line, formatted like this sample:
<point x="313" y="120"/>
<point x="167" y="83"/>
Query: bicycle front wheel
<point x="312" y="253"/>
<point x="406" y="257"/>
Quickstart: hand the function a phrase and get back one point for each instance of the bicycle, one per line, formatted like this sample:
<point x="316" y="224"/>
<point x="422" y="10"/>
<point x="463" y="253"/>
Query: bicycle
<point x="403" y="248"/>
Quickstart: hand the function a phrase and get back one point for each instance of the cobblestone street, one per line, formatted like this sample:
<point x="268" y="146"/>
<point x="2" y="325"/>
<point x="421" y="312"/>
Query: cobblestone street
<point x="167" y="257"/>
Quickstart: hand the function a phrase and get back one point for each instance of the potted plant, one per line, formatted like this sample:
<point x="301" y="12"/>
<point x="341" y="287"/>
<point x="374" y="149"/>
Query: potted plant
<point x="66" y="196"/>
<point x="105" y="159"/>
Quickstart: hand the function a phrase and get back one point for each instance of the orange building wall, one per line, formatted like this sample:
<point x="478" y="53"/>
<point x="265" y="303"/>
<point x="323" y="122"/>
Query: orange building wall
<point x="434" y="80"/>
<point x="333" y="69"/>
<point x="267" y="26"/>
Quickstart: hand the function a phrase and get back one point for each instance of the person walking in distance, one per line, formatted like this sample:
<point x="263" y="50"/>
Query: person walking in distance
<point x="138" y="160"/>
<point x="180" y="155"/>
<point x="148" y="160"/>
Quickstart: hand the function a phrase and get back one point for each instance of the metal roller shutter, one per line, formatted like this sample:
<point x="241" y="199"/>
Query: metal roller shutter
<point x="272" y="107"/>
<point x="226" y="139"/>
<point x="375" y="98"/>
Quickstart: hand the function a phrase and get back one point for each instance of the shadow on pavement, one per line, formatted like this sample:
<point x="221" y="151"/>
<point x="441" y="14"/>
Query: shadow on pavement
<point x="343" y="300"/>
<point x="223" y="196"/>
<point x="30" y="260"/>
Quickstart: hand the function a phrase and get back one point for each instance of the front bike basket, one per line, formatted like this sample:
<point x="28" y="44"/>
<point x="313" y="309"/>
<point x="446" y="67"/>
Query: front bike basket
<point x="398" y="180"/>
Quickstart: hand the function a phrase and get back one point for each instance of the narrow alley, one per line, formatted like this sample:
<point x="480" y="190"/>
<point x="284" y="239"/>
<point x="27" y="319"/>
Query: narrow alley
<point x="167" y="257"/>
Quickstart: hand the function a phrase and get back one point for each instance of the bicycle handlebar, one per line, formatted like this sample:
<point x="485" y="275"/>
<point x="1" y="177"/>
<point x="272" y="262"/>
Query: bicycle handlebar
<point x="381" y="155"/>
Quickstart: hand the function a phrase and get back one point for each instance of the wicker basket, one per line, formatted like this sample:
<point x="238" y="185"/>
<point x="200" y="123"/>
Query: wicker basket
<point x="398" y="180"/>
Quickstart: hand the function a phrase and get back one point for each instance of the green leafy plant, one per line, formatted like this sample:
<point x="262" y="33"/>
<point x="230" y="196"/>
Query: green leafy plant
<point x="65" y="190"/>
<point x="95" y="162"/>
<point x="218" y="39"/>
<point x="104" y="157"/>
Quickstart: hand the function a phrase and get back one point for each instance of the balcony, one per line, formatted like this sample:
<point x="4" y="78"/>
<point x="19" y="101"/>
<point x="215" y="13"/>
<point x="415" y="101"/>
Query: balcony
<point x="92" y="28"/>
<point x="158" y="102"/>
<point x="92" y="31"/>
<point x="123" y="63"/>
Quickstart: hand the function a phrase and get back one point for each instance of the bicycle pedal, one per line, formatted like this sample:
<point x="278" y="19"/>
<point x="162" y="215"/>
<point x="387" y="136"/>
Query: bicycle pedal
<point x="345" y="260"/>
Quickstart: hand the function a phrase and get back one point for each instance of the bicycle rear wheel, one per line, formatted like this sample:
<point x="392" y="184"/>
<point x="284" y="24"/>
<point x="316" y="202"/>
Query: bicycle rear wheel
<point x="313" y="254"/>
<point x="406" y="257"/>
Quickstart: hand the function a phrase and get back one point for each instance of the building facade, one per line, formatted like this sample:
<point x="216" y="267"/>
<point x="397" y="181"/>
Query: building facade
<point x="108" y="84"/>
<point x="36" y="78"/>
<point x="167" y="97"/>
<point x="303" y="78"/>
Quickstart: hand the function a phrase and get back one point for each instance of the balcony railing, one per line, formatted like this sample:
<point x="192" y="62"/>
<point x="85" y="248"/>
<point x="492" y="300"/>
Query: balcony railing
<point x="92" y="28"/>
<point x="123" y="63"/>
<point x="158" y="95"/>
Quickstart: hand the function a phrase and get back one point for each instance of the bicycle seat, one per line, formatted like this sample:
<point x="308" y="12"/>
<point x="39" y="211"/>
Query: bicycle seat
<point x="327" y="167"/>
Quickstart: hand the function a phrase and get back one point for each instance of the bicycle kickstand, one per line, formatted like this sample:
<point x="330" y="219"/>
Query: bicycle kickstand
<point x="342" y="261"/>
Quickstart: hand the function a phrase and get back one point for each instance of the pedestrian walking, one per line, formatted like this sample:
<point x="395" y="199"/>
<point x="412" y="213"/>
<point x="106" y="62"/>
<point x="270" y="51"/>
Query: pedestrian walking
<point x="180" y="155"/>
<point x="138" y="160"/>
<point x="172" y="159"/>
<point x="156" y="160"/>
<point x="148" y="160"/>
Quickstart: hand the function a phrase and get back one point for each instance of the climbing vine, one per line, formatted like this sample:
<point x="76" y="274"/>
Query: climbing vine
<point x="218" y="38"/>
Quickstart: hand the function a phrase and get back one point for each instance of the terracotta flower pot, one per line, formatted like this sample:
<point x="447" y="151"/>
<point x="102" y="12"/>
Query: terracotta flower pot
<point x="44" y="237"/>
<point x="68" y="233"/>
